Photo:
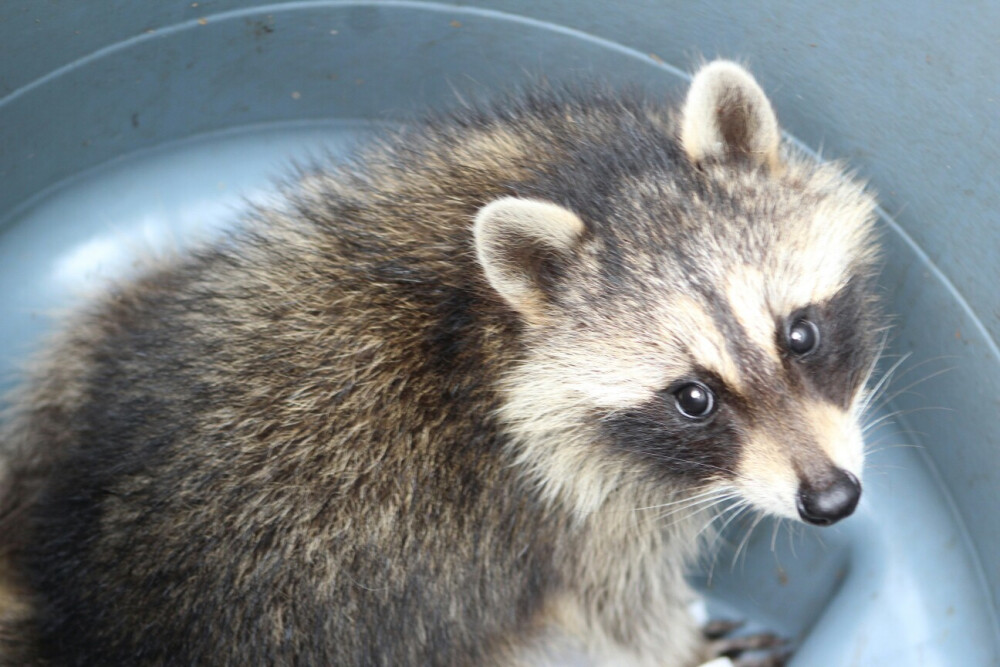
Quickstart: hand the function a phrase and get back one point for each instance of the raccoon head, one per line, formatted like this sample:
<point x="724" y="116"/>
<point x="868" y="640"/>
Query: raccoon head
<point x="704" y="322"/>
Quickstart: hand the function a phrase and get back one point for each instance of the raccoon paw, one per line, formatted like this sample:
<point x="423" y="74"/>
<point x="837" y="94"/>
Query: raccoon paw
<point x="771" y="650"/>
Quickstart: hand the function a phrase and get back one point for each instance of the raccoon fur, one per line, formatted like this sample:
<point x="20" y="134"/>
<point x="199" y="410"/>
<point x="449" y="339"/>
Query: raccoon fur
<point x="415" y="414"/>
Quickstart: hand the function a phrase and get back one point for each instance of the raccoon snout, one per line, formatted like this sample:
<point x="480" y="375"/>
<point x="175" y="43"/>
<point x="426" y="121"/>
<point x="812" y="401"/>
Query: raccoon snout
<point x="826" y="504"/>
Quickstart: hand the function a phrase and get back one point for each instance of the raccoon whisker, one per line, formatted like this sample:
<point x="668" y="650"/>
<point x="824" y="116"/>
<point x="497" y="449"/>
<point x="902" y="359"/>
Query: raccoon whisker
<point x="878" y="447"/>
<point x="711" y="535"/>
<point x="877" y="397"/>
<point x="888" y="399"/>
<point x="688" y="510"/>
<point x="792" y="536"/>
<point x="886" y="419"/>
<point x="883" y="420"/>
<point x="871" y="430"/>
<point x="888" y="447"/>
<point x="746" y="540"/>
<point x="716" y="516"/>
<point x="705" y="526"/>
<point x="885" y="468"/>
<point x="732" y="497"/>
<point x="686" y="516"/>
<point x="925" y="362"/>
<point x="710" y="492"/>
<point x="702" y="504"/>
<point x="875" y="442"/>
<point x="878" y="357"/>
<point x="702" y="494"/>
<point x="896" y="413"/>
<point x="706" y="503"/>
<point x="738" y="510"/>
<point x="897" y="376"/>
<point x="684" y="503"/>
<point x="713" y="514"/>
<point x="774" y="533"/>
<point x="674" y="459"/>
<point x="871" y="393"/>
<point x="874" y="392"/>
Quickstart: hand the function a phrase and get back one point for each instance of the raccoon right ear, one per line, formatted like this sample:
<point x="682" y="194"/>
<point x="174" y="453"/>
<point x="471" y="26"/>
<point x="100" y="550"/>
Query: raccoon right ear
<point x="523" y="246"/>
<point x="726" y="114"/>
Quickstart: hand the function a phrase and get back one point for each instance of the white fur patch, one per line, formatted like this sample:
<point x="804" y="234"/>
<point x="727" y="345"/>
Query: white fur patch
<point x="694" y="329"/>
<point x="839" y="436"/>
<point x="746" y="292"/>
<point x="766" y="477"/>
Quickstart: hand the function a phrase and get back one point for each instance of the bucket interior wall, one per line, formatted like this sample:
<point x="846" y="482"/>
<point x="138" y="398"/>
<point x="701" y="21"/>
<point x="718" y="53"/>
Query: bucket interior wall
<point x="142" y="126"/>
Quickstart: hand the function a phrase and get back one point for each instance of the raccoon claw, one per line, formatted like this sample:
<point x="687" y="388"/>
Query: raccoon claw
<point x="723" y="646"/>
<point x="719" y="629"/>
<point x="779" y="659"/>
<point x="732" y="647"/>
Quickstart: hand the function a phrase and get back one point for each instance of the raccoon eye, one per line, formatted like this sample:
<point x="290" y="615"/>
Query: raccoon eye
<point x="694" y="400"/>
<point x="803" y="337"/>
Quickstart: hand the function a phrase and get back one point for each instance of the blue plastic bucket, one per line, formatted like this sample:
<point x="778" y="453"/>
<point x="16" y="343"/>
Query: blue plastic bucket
<point x="128" y="126"/>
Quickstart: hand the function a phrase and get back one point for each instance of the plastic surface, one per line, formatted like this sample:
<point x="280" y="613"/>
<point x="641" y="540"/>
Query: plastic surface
<point x="116" y="140"/>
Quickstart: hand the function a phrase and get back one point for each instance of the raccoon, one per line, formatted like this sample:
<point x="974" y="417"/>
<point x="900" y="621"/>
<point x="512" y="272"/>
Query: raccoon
<point x="413" y="414"/>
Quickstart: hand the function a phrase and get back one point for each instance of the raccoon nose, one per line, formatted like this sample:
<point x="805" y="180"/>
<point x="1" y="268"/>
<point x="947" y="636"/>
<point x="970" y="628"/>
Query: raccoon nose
<point x="831" y="502"/>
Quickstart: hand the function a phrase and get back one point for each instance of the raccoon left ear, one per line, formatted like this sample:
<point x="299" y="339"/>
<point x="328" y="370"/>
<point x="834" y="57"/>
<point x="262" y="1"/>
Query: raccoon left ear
<point x="523" y="246"/>
<point x="726" y="114"/>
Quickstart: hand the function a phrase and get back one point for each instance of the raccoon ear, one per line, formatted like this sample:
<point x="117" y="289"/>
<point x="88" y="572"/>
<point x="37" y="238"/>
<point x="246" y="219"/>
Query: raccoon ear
<point x="726" y="114"/>
<point x="523" y="246"/>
